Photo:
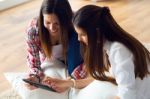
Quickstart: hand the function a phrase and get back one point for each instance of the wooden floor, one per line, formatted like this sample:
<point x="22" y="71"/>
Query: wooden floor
<point x="132" y="15"/>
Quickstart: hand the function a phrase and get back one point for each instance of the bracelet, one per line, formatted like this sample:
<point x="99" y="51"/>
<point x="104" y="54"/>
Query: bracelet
<point x="74" y="83"/>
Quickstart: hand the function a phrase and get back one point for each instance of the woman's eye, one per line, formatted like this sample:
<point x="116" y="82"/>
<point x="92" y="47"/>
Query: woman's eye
<point x="47" y="22"/>
<point x="56" y="24"/>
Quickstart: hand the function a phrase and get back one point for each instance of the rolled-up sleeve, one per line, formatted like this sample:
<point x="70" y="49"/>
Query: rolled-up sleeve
<point x="123" y="64"/>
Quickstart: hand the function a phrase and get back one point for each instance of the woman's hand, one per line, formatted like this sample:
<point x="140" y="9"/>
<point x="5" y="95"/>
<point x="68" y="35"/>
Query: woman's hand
<point x="31" y="78"/>
<point x="58" y="84"/>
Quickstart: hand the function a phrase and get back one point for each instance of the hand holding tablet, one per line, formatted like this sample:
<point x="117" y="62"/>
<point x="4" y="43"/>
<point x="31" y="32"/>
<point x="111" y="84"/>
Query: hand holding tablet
<point x="39" y="85"/>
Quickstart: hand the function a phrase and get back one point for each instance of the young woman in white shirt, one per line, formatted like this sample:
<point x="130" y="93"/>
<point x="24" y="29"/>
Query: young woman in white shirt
<point x="111" y="54"/>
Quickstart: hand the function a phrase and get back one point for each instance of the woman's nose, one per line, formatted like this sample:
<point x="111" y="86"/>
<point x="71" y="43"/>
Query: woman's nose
<point x="52" y="28"/>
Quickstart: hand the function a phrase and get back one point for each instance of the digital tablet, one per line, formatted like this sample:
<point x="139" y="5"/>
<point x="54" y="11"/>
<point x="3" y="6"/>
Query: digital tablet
<point x="39" y="85"/>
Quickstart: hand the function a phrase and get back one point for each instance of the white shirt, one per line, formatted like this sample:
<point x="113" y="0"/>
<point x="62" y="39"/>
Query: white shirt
<point x="57" y="51"/>
<point x="122" y="69"/>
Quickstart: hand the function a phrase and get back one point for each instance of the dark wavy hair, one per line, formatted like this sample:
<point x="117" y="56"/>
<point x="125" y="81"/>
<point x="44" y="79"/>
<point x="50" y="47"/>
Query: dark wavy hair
<point x="99" y="25"/>
<point x="62" y="9"/>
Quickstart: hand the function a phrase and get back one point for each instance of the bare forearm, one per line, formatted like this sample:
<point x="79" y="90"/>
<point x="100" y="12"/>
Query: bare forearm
<point x="83" y="82"/>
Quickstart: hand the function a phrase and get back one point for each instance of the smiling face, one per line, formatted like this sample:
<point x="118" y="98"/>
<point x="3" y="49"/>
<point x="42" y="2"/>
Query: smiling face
<point x="82" y="36"/>
<point x="52" y="24"/>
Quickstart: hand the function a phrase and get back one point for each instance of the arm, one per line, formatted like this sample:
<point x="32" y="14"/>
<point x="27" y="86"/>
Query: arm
<point x="32" y="40"/>
<point x="79" y="72"/>
<point x="62" y="85"/>
<point x="81" y="83"/>
<point x="123" y="71"/>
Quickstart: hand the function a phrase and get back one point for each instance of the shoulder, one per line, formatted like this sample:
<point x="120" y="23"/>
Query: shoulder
<point x="32" y="28"/>
<point x="32" y="22"/>
<point x="32" y="32"/>
<point x="119" y="51"/>
<point x="117" y="46"/>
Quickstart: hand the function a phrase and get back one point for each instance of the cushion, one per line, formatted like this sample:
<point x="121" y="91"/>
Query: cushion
<point x="11" y="93"/>
<point x="53" y="68"/>
<point x="18" y="85"/>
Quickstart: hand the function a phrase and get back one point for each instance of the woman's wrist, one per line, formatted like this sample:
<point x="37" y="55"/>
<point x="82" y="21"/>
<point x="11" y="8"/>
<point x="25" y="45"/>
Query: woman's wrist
<point x="73" y="83"/>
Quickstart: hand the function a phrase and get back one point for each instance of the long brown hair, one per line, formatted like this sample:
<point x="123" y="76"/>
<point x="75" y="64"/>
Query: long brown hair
<point x="62" y="9"/>
<point x="100" y="26"/>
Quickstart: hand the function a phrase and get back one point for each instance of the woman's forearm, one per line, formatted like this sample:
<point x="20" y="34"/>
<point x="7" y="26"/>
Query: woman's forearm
<point x="81" y="83"/>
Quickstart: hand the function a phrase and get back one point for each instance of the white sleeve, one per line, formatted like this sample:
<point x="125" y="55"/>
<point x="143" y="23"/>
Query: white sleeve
<point x="124" y="71"/>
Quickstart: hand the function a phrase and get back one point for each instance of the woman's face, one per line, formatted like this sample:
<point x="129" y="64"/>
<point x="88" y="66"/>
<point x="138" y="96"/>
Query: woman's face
<point x="51" y="22"/>
<point x="82" y="36"/>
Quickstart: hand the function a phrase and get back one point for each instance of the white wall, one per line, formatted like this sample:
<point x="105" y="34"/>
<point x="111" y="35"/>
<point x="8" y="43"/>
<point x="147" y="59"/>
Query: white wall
<point x="4" y="4"/>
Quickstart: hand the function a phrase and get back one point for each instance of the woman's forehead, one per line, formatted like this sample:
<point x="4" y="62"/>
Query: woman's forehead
<point x="50" y="17"/>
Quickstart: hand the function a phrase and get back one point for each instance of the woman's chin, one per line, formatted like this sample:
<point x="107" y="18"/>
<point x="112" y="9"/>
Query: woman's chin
<point x="54" y="34"/>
